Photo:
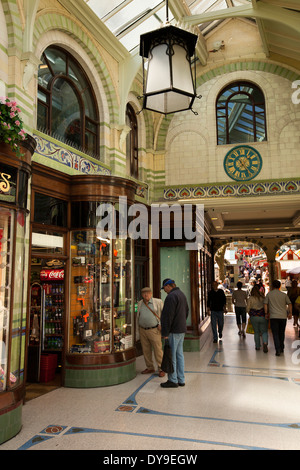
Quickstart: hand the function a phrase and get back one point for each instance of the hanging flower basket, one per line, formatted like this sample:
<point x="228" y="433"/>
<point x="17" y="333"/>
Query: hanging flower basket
<point x="11" y="126"/>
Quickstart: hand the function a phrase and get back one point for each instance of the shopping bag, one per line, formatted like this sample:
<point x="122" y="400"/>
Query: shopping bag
<point x="167" y="363"/>
<point x="297" y="303"/>
<point x="250" y="329"/>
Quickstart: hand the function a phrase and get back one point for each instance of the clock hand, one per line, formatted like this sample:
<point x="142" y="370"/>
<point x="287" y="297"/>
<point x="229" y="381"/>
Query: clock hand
<point x="242" y="164"/>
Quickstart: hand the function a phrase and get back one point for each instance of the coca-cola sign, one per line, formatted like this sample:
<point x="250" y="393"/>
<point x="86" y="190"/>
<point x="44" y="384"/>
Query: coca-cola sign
<point x="52" y="275"/>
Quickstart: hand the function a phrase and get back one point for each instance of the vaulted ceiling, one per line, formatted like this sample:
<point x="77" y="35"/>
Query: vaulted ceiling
<point x="278" y="21"/>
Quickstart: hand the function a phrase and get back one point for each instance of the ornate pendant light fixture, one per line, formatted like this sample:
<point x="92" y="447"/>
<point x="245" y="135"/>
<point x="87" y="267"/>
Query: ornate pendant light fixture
<point x="168" y="83"/>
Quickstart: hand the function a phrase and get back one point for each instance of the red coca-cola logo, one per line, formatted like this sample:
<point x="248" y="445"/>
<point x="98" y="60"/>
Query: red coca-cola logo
<point x="52" y="274"/>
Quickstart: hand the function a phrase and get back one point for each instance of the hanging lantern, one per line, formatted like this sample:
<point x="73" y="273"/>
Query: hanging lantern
<point x="168" y="84"/>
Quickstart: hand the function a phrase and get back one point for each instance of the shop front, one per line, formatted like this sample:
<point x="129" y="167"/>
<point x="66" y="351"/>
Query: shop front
<point x="15" y="174"/>
<point x="82" y="281"/>
<point x="191" y="269"/>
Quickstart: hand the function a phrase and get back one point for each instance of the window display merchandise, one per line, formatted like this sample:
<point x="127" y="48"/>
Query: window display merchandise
<point x="100" y="294"/>
<point x="47" y="312"/>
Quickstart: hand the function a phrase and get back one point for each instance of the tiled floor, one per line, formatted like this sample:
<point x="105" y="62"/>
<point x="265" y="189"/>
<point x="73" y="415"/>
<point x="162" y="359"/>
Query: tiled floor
<point x="235" y="398"/>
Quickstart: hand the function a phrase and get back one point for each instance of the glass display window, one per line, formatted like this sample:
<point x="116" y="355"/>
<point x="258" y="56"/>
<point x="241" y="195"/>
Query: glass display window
<point x="18" y="320"/>
<point x="47" y="242"/>
<point x="101" y="308"/>
<point x="6" y="231"/>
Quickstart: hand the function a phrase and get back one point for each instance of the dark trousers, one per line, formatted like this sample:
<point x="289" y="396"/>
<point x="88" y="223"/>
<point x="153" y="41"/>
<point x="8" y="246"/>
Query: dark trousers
<point x="278" y="326"/>
<point x="217" y="323"/>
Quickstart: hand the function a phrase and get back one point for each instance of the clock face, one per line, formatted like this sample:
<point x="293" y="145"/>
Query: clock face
<point x="242" y="163"/>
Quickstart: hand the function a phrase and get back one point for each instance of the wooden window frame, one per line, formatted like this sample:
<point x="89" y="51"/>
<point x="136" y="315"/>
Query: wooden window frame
<point x="79" y="93"/>
<point x="133" y="142"/>
<point x="239" y="85"/>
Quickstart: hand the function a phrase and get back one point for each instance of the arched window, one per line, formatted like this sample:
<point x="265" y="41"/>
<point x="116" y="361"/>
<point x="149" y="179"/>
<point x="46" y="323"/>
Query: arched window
<point x="241" y="114"/>
<point x="67" y="107"/>
<point x="132" y="143"/>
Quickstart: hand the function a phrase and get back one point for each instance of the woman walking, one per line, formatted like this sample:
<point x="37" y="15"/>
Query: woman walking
<point x="255" y="309"/>
<point x="293" y="293"/>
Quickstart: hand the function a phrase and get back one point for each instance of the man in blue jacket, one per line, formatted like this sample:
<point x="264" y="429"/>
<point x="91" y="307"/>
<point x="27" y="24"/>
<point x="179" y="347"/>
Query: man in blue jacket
<point x="173" y="327"/>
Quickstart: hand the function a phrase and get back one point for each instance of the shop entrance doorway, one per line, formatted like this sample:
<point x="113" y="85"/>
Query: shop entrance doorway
<point x="46" y="326"/>
<point x="175" y="264"/>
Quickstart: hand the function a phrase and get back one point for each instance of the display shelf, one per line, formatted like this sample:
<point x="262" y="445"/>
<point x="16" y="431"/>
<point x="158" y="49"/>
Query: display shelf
<point x="101" y="294"/>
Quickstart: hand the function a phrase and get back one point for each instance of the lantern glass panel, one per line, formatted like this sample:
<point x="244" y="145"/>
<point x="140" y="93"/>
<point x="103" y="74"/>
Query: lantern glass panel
<point x="169" y="102"/>
<point x="181" y="68"/>
<point x="158" y="75"/>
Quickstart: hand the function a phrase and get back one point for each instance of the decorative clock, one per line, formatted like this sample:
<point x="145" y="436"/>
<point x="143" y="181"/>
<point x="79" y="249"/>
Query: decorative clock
<point x="242" y="163"/>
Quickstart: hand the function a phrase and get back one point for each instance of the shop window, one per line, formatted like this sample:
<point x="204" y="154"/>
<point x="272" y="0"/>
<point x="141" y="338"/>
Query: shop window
<point x="100" y="294"/>
<point x="240" y="114"/>
<point x="67" y="107"/>
<point x="132" y="143"/>
<point x="50" y="210"/>
<point x="45" y="242"/>
<point x="141" y="266"/>
<point x="12" y="308"/>
<point x="6" y="231"/>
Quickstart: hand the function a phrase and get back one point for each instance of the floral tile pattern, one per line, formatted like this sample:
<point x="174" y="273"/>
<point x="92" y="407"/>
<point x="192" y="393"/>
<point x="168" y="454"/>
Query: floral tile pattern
<point x="237" y="190"/>
<point x="55" y="152"/>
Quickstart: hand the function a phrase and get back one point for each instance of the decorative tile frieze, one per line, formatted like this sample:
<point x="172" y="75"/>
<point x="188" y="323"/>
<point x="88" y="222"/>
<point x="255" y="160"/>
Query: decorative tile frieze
<point x="236" y="190"/>
<point x="70" y="158"/>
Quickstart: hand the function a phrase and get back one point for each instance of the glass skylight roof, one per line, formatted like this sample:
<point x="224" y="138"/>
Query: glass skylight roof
<point x="128" y="19"/>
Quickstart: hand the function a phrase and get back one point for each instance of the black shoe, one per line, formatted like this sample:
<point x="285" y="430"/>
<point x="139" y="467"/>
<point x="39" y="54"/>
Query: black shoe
<point x="181" y="384"/>
<point x="215" y="341"/>
<point x="169" y="384"/>
<point x="277" y="353"/>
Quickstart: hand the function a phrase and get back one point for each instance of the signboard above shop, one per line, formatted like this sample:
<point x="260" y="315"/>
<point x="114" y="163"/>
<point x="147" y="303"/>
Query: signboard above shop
<point x="8" y="183"/>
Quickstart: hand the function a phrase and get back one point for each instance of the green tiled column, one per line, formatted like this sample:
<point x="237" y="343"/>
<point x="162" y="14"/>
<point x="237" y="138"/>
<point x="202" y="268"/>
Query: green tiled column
<point x="99" y="376"/>
<point x="10" y="422"/>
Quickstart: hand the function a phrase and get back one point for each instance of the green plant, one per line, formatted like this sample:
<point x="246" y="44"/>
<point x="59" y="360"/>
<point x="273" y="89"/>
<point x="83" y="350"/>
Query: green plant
<point x="11" y="125"/>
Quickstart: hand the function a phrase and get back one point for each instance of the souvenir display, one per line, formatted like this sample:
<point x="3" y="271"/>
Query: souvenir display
<point x="100" y="295"/>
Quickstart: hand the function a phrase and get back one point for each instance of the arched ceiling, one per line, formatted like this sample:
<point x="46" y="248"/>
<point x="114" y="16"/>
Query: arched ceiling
<point x="278" y="21"/>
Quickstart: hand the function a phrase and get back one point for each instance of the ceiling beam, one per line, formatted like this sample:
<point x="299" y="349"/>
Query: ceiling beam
<point x="259" y="11"/>
<point x="293" y="4"/>
<point x="262" y="32"/>
<point x="83" y="13"/>
<point x="180" y="10"/>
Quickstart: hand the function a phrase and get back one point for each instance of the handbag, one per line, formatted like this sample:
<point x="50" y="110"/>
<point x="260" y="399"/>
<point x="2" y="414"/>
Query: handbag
<point x="297" y="304"/>
<point x="167" y="361"/>
<point x="250" y="329"/>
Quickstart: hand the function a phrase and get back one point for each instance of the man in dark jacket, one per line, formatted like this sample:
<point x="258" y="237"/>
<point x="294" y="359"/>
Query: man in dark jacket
<point x="173" y="327"/>
<point x="216" y="303"/>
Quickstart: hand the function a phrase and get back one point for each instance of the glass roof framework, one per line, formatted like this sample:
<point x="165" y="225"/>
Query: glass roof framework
<point x="128" y="19"/>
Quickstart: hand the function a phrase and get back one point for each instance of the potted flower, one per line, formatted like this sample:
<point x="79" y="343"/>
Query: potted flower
<point x="11" y="125"/>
